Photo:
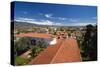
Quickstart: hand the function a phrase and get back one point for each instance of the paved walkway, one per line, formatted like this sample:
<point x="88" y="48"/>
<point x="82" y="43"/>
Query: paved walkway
<point x="25" y="55"/>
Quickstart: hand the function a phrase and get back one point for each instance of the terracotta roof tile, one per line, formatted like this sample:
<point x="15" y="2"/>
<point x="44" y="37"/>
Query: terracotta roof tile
<point x="64" y="51"/>
<point x="40" y="35"/>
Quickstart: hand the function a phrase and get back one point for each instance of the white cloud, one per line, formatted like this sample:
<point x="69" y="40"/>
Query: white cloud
<point x="42" y="22"/>
<point x="94" y="18"/>
<point x="80" y="23"/>
<point x="62" y="18"/>
<point x="51" y="16"/>
<point x="24" y="19"/>
<point x="48" y="15"/>
<point x="70" y="22"/>
<point x="59" y="24"/>
<point x="73" y="20"/>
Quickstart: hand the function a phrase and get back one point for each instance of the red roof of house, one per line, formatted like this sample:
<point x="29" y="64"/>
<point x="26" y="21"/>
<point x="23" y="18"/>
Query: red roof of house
<point x="39" y="35"/>
<point x="64" y="51"/>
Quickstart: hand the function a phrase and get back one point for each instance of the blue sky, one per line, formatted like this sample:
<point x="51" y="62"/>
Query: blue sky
<point x="54" y="14"/>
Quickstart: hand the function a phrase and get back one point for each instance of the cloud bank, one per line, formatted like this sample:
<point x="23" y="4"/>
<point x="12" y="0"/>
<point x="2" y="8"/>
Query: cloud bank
<point x="63" y="21"/>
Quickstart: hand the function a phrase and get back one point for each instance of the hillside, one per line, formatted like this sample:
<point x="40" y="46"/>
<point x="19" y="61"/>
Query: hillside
<point x="25" y="25"/>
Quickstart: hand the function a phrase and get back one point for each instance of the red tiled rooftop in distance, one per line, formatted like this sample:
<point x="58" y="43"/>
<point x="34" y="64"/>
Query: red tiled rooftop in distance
<point x="64" y="51"/>
<point x="39" y="35"/>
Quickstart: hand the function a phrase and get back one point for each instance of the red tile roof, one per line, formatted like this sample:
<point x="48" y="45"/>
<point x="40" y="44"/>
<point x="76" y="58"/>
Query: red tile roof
<point x="64" y="51"/>
<point x="39" y="35"/>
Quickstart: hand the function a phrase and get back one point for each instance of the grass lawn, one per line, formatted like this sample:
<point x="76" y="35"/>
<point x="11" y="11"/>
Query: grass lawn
<point x="21" y="61"/>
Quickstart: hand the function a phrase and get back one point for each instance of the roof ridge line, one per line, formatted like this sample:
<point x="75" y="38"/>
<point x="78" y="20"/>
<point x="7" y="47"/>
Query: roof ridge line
<point x="57" y="52"/>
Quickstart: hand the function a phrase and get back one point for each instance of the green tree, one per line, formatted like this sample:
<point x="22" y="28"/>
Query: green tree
<point x="90" y="42"/>
<point x="21" y="46"/>
<point x="35" y="51"/>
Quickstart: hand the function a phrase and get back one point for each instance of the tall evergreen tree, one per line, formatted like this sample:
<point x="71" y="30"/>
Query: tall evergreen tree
<point x="90" y="42"/>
